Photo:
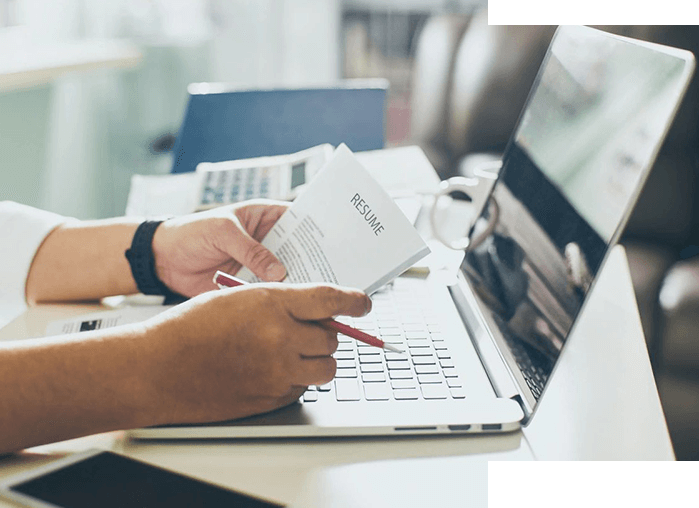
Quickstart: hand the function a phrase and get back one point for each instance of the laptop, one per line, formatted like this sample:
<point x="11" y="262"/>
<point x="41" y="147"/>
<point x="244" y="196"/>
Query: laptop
<point x="481" y="352"/>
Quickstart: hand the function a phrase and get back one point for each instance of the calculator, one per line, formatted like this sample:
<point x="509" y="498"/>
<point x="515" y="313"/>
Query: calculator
<point x="277" y="177"/>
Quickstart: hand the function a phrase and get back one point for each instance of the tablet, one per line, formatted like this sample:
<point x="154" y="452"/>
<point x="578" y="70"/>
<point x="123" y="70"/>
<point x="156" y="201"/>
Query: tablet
<point x="107" y="479"/>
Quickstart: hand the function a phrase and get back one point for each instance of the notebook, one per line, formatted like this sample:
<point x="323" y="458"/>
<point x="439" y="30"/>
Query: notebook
<point x="224" y="123"/>
<point x="481" y="352"/>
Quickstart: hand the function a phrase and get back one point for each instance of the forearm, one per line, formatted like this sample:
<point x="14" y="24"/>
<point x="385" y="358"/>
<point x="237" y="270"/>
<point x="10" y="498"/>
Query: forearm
<point x="83" y="261"/>
<point x="65" y="387"/>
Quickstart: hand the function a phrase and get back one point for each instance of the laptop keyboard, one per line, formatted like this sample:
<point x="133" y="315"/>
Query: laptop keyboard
<point x="535" y="368"/>
<point x="404" y="318"/>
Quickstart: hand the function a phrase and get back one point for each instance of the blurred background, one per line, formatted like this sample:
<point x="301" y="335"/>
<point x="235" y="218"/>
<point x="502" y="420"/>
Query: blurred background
<point x="93" y="92"/>
<point x="71" y="140"/>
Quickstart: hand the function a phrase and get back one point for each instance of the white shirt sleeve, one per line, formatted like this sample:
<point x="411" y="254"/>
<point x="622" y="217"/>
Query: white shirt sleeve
<point x="22" y="230"/>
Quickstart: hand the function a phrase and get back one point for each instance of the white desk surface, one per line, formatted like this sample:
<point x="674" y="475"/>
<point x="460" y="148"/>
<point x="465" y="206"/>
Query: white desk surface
<point x="601" y="404"/>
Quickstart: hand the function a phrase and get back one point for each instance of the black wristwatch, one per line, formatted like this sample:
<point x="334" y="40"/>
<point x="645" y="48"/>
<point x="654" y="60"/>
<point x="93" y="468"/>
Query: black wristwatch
<point x="142" y="262"/>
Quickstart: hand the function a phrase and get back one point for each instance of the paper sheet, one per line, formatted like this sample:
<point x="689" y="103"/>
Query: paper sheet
<point x="104" y="319"/>
<point x="157" y="195"/>
<point x="344" y="229"/>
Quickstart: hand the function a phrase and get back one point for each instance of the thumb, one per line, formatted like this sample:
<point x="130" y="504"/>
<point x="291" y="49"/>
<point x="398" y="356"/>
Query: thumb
<point x="255" y="256"/>
<point x="319" y="301"/>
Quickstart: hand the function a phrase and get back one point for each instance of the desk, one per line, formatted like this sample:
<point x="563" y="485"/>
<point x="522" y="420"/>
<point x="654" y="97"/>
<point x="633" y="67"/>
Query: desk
<point x="601" y="404"/>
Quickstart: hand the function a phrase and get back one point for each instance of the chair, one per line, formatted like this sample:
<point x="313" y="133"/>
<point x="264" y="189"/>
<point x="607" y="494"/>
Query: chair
<point x="471" y="80"/>
<point x="431" y="84"/>
<point x="223" y="123"/>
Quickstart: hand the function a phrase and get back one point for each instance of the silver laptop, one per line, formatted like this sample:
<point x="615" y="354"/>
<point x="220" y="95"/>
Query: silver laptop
<point x="481" y="352"/>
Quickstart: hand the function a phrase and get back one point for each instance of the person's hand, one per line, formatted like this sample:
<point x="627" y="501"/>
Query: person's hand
<point x="189" y="249"/>
<point x="242" y="351"/>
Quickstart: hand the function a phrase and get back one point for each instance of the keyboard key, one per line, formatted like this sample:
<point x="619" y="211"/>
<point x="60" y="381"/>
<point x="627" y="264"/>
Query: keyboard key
<point x="421" y="351"/>
<point x="417" y="335"/>
<point x="433" y="328"/>
<point x="440" y="346"/>
<point x="443" y="354"/>
<point x="450" y="372"/>
<point x="437" y="337"/>
<point x="390" y="355"/>
<point x="310" y="396"/>
<point x="345" y="346"/>
<point x="403" y="383"/>
<point x="398" y="365"/>
<point x="325" y="387"/>
<point x="373" y="377"/>
<point x="446" y="363"/>
<point x="453" y="382"/>
<point x="427" y="369"/>
<point x="458" y="393"/>
<point x="425" y="360"/>
<point x="388" y="323"/>
<point x="397" y="341"/>
<point x="434" y="391"/>
<point x="347" y="389"/>
<point x="413" y="327"/>
<point x="346" y="364"/>
<point x="372" y="367"/>
<point x="400" y="374"/>
<point x="424" y="379"/>
<point x="346" y="373"/>
<point x="417" y="343"/>
<point x="377" y="391"/>
<point x="369" y="351"/>
<point x="385" y="332"/>
<point x="406" y="394"/>
<point x="344" y="355"/>
<point x="364" y="359"/>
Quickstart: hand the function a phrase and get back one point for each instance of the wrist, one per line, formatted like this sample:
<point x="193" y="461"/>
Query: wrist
<point x="147" y="346"/>
<point x="165" y="337"/>
<point x="143" y="262"/>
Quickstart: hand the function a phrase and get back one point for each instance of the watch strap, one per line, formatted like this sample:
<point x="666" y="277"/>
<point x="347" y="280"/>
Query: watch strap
<point x="142" y="262"/>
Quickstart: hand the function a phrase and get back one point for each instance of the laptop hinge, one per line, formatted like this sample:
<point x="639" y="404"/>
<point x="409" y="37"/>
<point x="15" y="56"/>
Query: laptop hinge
<point x="501" y="377"/>
<point x="525" y="408"/>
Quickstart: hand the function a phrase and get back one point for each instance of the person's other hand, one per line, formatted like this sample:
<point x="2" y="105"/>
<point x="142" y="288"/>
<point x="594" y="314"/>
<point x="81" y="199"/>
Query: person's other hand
<point x="242" y="351"/>
<point x="189" y="249"/>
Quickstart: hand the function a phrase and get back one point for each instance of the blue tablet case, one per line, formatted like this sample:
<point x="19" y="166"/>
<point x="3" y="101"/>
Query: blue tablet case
<point x="223" y="124"/>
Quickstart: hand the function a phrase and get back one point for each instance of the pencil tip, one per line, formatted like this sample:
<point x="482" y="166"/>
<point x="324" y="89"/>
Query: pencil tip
<point x="393" y="348"/>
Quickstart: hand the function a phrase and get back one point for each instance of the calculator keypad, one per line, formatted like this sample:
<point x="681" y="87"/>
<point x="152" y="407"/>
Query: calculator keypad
<point x="233" y="185"/>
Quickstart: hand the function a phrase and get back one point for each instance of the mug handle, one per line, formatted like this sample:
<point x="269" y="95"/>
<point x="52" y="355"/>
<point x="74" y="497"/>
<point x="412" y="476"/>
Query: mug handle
<point x="466" y="186"/>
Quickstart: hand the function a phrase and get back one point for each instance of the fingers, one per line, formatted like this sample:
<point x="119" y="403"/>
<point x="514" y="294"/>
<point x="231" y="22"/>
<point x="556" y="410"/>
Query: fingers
<point x="255" y="220"/>
<point x="316" y="340"/>
<point x="316" y="301"/>
<point x="259" y="216"/>
<point x="261" y="261"/>
<point x="315" y="371"/>
<point x="252" y="254"/>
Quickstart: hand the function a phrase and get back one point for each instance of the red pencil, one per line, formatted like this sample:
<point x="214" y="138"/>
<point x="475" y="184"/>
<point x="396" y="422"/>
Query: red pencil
<point x="222" y="279"/>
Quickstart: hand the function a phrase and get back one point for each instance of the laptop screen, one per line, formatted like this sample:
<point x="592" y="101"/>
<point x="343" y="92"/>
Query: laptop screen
<point x="593" y="123"/>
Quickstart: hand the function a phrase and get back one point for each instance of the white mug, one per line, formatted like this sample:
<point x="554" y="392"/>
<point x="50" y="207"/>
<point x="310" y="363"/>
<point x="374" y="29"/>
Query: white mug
<point x="478" y="190"/>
